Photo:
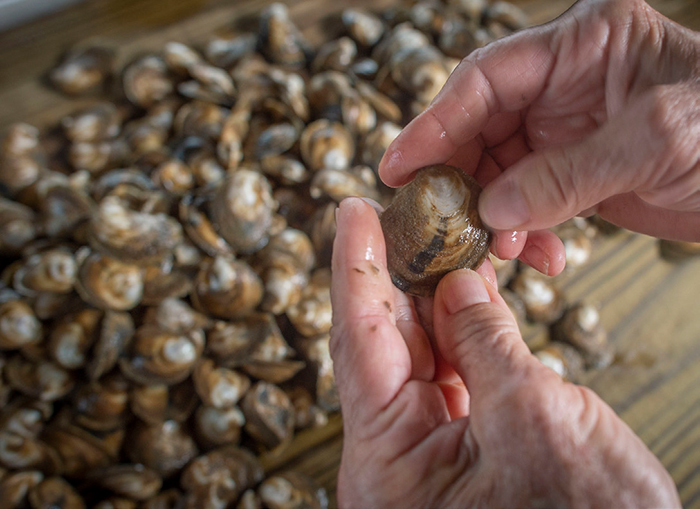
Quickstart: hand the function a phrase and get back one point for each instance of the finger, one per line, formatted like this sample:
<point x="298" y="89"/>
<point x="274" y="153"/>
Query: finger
<point x="544" y="251"/>
<point x="371" y="359"/>
<point x="505" y="76"/>
<point x="477" y="335"/>
<point x="650" y="148"/>
<point x="417" y="342"/>
<point x="631" y="212"/>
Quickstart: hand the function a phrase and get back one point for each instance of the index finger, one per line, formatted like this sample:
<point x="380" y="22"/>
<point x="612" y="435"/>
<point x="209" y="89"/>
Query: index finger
<point x="504" y="76"/>
<point x="370" y="357"/>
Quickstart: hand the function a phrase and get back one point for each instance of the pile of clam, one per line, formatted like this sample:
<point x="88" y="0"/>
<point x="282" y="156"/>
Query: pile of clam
<point x="165" y="290"/>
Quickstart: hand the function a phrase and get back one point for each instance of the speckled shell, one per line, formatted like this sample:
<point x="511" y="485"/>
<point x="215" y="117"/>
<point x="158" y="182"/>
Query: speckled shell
<point x="424" y="243"/>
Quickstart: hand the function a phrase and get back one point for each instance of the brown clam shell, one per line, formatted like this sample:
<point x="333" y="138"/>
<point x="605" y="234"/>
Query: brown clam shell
<point x="433" y="227"/>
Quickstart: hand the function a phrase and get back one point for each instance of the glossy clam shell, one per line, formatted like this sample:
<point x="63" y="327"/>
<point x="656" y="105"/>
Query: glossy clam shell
<point x="433" y="227"/>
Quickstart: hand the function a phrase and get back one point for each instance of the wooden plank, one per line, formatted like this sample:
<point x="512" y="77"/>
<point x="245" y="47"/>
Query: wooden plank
<point x="650" y="306"/>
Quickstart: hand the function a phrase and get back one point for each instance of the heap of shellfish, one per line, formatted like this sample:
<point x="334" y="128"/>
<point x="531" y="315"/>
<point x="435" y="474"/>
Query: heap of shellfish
<point x="164" y="288"/>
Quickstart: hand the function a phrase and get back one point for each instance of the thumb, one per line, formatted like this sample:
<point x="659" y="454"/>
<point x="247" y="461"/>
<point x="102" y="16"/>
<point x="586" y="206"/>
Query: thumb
<point x="476" y="333"/>
<point x="632" y="151"/>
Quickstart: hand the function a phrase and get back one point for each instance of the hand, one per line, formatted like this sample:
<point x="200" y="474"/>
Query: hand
<point x="597" y="111"/>
<point x="461" y="414"/>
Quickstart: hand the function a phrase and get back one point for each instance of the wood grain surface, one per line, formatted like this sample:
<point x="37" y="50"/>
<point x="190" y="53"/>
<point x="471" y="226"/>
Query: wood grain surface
<point x="650" y="306"/>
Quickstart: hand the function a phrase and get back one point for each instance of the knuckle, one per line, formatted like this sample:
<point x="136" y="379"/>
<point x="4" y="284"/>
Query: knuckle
<point x="487" y="328"/>
<point x="558" y="177"/>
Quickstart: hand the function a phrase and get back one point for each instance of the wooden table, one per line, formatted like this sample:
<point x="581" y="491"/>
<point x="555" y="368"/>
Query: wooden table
<point x="650" y="306"/>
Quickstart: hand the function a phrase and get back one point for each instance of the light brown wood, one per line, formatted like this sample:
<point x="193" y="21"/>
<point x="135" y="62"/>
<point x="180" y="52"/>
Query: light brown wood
<point x="650" y="306"/>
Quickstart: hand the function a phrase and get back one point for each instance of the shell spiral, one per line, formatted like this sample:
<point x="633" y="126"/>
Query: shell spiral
<point x="432" y="227"/>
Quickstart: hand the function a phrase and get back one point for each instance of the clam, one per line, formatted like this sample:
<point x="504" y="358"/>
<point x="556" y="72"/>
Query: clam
<point x="63" y="206"/>
<point x="508" y="14"/>
<point x="217" y="426"/>
<point x="285" y="169"/>
<point x="433" y="227"/>
<point x="78" y="451"/>
<point x="234" y="130"/>
<point x="163" y="281"/>
<point x="108" y="283"/>
<point x="55" y="492"/>
<point x="339" y="184"/>
<point x="146" y="81"/>
<point x="275" y="140"/>
<point x="326" y="92"/>
<point x="225" y="52"/>
<point x="176" y="316"/>
<point x="199" y="228"/>
<point x="209" y="83"/>
<point x="19" y="325"/>
<point x="382" y="104"/>
<point x="306" y="413"/>
<point x="164" y="447"/>
<point x="242" y="210"/>
<point x="543" y="301"/>
<point x="133" y="481"/>
<point x="290" y="490"/>
<point x="71" y="338"/>
<point x="284" y="265"/>
<point x="96" y="157"/>
<point x="421" y="72"/>
<point x="156" y="403"/>
<point x="317" y="351"/>
<point x="219" y="387"/>
<point x="336" y="55"/>
<point x="53" y="270"/>
<point x="256" y="338"/>
<point x="218" y="478"/>
<point x="357" y="113"/>
<point x="201" y="119"/>
<point x="158" y="356"/>
<point x="17" y="226"/>
<point x="102" y="405"/>
<point x="580" y="326"/>
<point x="365" y="68"/>
<point x="322" y="228"/>
<point x="226" y="288"/>
<point x="21" y="164"/>
<point x="43" y="380"/>
<point x="21" y="452"/>
<point x="457" y="38"/>
<point x="364" y="27"/>
<point x="326" y="144"/>
<point x="114" y="336"/>
<point x="280" y="40"/>
<point x="311" y="315"/>
<point x="83" y="70"/>
<point x="179" y="57"/>
<point x="15" y="486"/>
<point x="96" y="123"/>
<point x="377" y="141"/>
<point x="131" y="235"/>
<point x="174" y="176"/>
<point x="269" y="415"/>
<point x="675" y="250"/>
<point x="563" y="359"/>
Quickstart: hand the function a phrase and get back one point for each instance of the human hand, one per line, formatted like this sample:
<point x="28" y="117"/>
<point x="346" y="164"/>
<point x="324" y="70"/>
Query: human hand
<point x="597" y="111"/>
<point x="459" y="413"/>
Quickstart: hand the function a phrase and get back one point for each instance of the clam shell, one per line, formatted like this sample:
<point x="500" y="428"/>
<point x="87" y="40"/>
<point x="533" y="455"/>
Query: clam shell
<point x="433" y="227"/>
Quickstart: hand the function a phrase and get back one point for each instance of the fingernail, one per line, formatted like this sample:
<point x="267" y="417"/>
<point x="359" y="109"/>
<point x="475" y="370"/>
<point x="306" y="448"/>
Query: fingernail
<point x="375" y="205"/>
<point x="502" y="206"/>
<point x="462" y="289"/>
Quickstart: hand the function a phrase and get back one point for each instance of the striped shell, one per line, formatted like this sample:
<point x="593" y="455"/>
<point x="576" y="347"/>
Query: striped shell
<point x="433" y="227"/>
